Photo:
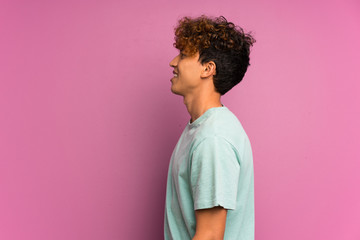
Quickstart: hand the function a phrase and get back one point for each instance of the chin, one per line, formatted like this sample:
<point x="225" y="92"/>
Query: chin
<point x="176" y="92"/>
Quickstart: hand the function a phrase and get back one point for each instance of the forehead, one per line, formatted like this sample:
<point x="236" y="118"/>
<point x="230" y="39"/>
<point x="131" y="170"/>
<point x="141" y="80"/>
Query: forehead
<point x="188" y="50"/>
<point x="188" y="53"/>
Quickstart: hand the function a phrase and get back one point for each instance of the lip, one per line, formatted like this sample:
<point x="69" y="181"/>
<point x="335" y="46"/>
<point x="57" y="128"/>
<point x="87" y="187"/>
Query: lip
<point x="173" y="77"/>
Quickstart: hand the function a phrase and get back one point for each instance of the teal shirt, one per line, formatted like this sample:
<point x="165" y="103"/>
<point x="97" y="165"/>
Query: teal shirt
<point x="211" y="165"/>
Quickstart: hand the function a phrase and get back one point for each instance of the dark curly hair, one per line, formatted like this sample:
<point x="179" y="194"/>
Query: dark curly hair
<point x="219" y="41"/>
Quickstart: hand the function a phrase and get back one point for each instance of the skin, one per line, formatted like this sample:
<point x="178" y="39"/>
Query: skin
<point x="210" y="223"/>
<point x="195" y="83"/>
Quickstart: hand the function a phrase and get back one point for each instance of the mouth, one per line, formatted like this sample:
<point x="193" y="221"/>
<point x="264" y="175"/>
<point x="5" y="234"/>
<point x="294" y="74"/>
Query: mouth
<point x="175" y="74"/>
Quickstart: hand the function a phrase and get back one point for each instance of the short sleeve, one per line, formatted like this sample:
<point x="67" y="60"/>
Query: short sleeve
<point x="214" y="174"/>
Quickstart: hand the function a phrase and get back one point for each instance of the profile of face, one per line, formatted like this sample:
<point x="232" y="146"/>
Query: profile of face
<point x="187" y="74"/>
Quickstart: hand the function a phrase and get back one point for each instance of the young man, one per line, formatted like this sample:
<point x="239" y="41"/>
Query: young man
<point x="210" y="186"/>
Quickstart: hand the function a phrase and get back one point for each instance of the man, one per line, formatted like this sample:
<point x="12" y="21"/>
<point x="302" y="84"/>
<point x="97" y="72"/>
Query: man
<point x="210" y="186"/>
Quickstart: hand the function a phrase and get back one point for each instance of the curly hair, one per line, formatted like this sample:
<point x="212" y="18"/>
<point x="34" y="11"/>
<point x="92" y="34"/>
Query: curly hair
<point x="219" y="41"/>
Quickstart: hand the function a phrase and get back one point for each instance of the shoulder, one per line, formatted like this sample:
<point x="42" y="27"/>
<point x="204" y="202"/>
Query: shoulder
<point x="212" y="146"/>
<point x="222" y="126"/>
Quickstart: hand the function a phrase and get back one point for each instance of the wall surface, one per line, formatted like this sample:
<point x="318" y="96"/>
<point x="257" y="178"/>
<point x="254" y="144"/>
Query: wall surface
<point x="88" y="122"/>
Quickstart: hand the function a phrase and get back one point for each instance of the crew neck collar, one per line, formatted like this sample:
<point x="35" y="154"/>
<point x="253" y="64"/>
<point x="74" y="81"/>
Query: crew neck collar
<point x="204" y="116"/>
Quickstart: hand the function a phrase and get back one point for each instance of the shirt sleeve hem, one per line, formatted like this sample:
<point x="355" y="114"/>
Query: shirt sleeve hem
<point x="204" y="205"/>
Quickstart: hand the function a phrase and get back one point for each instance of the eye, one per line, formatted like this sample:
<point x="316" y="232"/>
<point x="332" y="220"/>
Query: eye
<point x="182" y="55"/>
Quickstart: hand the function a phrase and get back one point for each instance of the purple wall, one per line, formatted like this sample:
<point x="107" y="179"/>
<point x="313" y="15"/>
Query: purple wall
<point x="88" y="122"/>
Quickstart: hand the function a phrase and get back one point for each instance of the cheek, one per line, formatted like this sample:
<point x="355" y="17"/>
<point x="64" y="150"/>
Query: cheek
<point x="191" y="75"/>
<point x="188" y="72"/>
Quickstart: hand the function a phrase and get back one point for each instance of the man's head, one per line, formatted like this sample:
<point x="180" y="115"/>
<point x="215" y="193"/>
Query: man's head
<point x="220" y="47"/>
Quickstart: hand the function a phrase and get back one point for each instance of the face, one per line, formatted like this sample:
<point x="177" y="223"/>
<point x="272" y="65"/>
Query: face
<point x="187" y="71"/>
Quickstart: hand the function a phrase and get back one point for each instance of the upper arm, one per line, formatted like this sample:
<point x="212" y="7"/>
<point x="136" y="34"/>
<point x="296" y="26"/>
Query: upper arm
<point x="214" y="174"/>
<point x="210" y="223"/>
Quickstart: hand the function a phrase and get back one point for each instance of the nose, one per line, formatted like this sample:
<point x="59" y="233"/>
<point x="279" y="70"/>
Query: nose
<point x="174" y="61"/>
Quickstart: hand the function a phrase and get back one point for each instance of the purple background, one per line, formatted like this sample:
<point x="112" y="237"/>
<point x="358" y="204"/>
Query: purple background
<point x="88" y="122"/>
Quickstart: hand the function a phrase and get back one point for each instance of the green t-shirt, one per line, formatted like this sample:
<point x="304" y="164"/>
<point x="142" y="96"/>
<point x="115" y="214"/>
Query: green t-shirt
<point x="211" y="165"/>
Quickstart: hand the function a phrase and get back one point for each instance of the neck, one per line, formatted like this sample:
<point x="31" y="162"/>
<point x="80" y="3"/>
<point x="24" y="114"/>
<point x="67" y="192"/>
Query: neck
<point x="198" y="104"/>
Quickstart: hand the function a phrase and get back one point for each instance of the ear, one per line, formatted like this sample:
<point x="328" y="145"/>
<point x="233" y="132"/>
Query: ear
<point x="209" y="69"/>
